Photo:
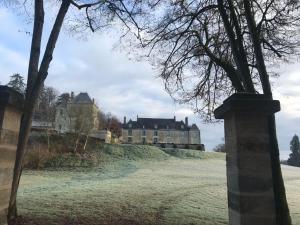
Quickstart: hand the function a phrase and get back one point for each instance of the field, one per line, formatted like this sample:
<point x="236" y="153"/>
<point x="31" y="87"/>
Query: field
<point x="136" y="187"/>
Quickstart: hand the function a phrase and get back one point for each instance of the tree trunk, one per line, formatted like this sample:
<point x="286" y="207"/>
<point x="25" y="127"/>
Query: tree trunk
<point x="282" y="209"/>
<point x="35" y="50"/>
<point x="48" y="139"/>
<point x="76" y="143"/>
<point x="243" y="70"/>
<point x="85" y="143"/>
<point x="36" y="81"/>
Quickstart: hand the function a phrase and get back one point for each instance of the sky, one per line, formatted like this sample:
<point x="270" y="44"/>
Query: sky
<point x="124" y="86"/>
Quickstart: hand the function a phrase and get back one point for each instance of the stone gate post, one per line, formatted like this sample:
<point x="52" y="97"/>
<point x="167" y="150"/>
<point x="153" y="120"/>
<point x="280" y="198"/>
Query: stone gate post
<point x="11" y="104"/>
<point x="248" y="162"/>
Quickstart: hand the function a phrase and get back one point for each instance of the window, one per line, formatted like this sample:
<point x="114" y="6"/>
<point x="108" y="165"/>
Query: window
<point x="155" y="133"/>
<point x="155" y="140"/>
<point x="59" y="127"/>
<point x="130" y="125"/>
<point x="144" y="140"/>
<point x="182" y="126"/>
<point x="61" y="112"/>
<point x="130" y="140"/>
<point x="144" y="132"/>
<point x="155" y="126"/>
<point x="130" y="132"/>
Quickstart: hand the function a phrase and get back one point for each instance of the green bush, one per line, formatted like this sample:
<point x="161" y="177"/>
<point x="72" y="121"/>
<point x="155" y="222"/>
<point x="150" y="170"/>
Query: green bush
<point x="71" y="160"/>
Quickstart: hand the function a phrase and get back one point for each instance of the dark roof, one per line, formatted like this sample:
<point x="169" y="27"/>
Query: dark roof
<point x="151" y="123"/>
<point x="82" y="97"/>
<point x="194" y="127"/>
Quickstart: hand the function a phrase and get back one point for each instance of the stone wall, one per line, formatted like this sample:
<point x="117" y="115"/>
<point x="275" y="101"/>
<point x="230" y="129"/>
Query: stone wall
<point x="67" y="116"/>
<point x="10" y="118"/>
<point x="102" y="135"/>
<point x="163" y="136"/>
<point x="194" y="137"/>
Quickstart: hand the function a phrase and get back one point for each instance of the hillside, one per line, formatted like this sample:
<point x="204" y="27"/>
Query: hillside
<point x="137" y="185"/>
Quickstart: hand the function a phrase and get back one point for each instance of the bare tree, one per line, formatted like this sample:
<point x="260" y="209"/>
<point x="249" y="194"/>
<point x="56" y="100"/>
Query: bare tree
<point x="115" y="126"/>
<point x="102" y="117"/>
<point x="103" y="13"/>
<point x="44" y="112"/>
<point x="205" y="51"/>
<point x="110" y="122"/>
<point x="208" y="49"/>
<point x="82" y="123"/>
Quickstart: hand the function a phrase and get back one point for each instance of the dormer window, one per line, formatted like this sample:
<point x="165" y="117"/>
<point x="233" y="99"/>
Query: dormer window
<point x="182" y="126"/>
<point x="143" y="126"/>
<point x="130" y="125"/>
<point x="167" y="127"/>
<point x="155" y="126"/>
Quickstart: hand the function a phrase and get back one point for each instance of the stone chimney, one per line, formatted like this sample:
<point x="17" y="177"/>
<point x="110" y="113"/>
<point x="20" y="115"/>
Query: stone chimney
<point x="72" y="95"/>
<point x="93" y="101"/>
<point x="175" y="118"/>
<point x="124" y="120"/>
<point x="186" y="121"/>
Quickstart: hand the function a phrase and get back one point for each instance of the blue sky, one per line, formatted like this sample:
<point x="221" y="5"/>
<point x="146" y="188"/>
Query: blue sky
<point x="126" y="87"/>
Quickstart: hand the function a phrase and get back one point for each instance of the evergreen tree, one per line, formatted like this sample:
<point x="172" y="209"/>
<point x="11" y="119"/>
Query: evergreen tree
<point x="63" y="99"/>
<point x="294" y="159"/>
<point x="17" y="83"/>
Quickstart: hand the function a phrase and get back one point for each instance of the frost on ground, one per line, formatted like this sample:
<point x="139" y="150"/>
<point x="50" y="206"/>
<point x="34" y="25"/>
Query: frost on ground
<point x="174" y="190"/>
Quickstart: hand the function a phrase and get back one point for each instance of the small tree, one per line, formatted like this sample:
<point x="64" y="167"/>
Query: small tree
<point x="115" y="126"/>
<point x="102" y="117"/>
<point x="94" y="15"/>
<point x="63" y="99"/>
<point x="220" y="148"/>
<point x="82" y="122"/>
<point x="17" y="83"/>
<point x="294" y="159"/>
<point x="110" y="122"/>
<point x="45" y="109"/>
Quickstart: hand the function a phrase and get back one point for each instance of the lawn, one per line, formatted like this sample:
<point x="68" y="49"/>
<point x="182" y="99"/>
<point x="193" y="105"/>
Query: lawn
<point x="178" y="188"/>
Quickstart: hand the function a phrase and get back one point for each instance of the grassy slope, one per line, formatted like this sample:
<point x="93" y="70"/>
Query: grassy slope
<point x="138" y="186"/>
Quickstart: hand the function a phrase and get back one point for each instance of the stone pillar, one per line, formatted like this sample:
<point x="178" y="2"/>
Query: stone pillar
<point x="247" y="141"/>
<point x="11" y="104"/>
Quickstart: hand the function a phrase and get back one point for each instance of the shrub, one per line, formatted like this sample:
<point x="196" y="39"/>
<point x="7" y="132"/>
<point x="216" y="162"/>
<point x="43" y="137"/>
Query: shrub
<point x="70" y="160"/>
<point x="36" y="157"/>
<point x="200" y="147"/>
<point x="220" y="148"/>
